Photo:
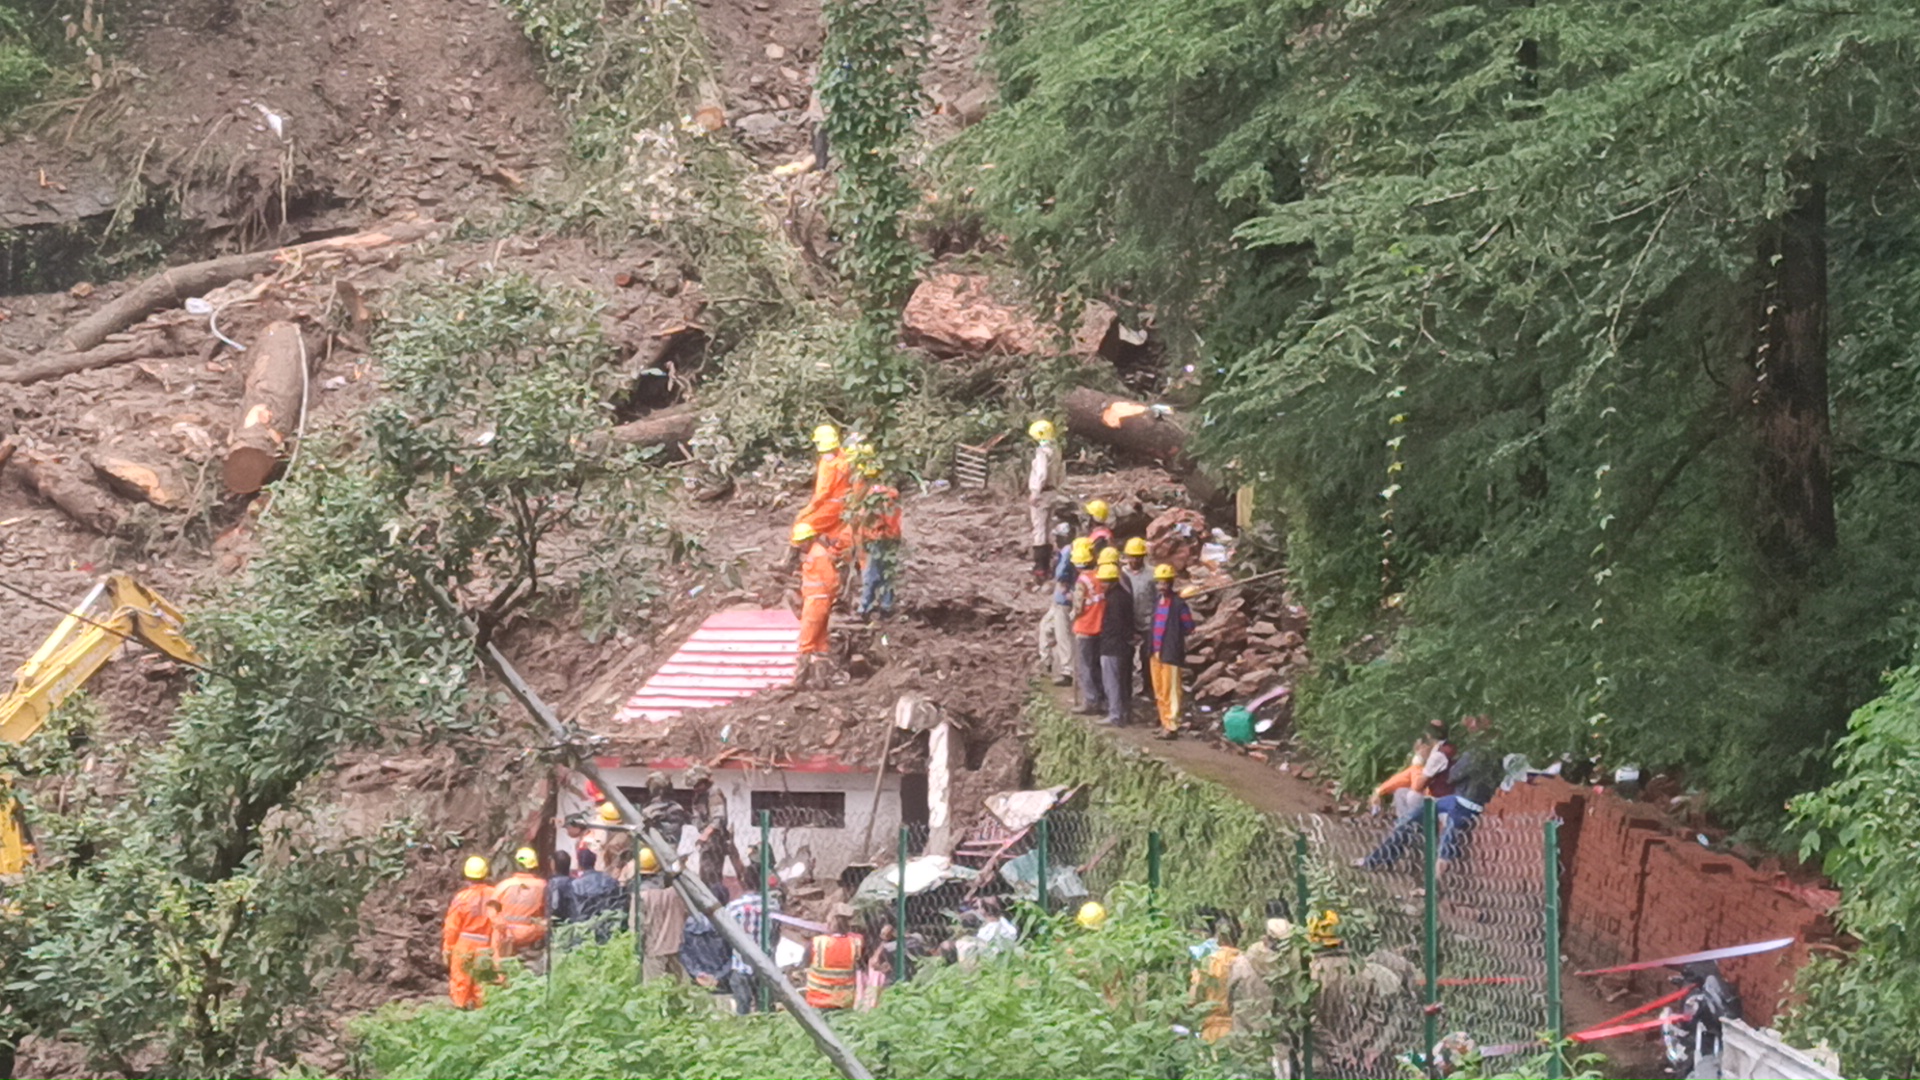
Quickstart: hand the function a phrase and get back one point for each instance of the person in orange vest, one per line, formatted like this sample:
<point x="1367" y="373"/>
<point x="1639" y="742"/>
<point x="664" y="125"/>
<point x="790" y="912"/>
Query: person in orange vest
<point x="520" y="918"/>
<point x="832" y="482"/>
<point x="834" y="962"/>
<point x="466" y="935"/>
<point x="819" y="586"/>
<point x="876" y="514"/>
<point x="1088" y="610"/>
<point x="1210" y="983"/>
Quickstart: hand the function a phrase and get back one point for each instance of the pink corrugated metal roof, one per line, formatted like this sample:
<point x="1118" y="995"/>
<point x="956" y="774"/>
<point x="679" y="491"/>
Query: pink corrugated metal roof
<point x="734" y="654"/>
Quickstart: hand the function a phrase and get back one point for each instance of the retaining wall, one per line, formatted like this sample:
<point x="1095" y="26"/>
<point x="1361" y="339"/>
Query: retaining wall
<point x="1633" y="888"/>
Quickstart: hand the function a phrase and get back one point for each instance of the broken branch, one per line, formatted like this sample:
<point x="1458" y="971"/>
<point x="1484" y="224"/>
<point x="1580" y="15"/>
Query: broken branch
<point x="173" y="285"/>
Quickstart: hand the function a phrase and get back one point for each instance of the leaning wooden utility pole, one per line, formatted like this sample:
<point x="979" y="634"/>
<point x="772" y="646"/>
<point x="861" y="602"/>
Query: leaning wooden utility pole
<point x="696" y="893"/>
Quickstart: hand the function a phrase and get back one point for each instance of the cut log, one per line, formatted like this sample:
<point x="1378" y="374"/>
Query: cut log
<point x="269" y="409"/>
<point x="1153" y="431"/>
<point x="63" y="488"/>
<point x="174" y="285"/>
<point x="53" y="365"/>
<point x="157" y="485"/>
<point x="668" y="427"/>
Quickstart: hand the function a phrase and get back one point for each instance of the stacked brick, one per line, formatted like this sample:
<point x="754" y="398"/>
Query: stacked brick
<point x="1634" y="888"/>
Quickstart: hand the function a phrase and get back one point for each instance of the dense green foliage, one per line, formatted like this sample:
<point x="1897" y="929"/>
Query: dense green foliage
<point x="187" y="937"/>
<point x="1069" y="1003"/>
<point x="1511" y="313"/>
<point x="1867" y="1006"/>
<point x="40" y="58"/>
<point x="870" y="90"/>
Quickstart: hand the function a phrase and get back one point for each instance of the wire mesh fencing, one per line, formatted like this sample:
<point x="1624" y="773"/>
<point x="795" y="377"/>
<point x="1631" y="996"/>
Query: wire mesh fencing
<point x="1448" y="948"/>
<point x="1438" y="944"/>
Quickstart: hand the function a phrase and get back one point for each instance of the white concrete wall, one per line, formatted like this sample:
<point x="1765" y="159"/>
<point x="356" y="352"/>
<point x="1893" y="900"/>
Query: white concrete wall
<point x="832" y="849"/>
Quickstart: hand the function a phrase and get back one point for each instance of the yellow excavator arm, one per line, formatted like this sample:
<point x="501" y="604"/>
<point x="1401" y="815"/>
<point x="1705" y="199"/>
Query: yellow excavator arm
<point x="79" y="646"/>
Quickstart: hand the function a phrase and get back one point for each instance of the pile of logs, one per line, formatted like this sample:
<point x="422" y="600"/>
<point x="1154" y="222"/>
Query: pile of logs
<point x="280" y="364"/>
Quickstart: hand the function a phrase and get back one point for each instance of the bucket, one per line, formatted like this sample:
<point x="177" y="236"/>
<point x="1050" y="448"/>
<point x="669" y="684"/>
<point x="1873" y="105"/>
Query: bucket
<point x="1237" y="725"/>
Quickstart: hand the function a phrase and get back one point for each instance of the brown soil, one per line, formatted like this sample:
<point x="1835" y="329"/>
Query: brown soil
<point x="388" y="107"/>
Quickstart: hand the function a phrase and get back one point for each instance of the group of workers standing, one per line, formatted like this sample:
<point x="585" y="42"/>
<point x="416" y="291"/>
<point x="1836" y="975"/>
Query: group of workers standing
<point x="1113" y="620"/>
<point x="851" y="518"/>
<point x="513" y="917"/>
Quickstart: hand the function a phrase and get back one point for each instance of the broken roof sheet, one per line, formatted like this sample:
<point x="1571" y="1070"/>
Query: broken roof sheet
<point x="735" y="654"/>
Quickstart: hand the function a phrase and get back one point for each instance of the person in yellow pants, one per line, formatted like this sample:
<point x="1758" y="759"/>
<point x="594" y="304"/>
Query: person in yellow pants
<point x="1172" y="625"/>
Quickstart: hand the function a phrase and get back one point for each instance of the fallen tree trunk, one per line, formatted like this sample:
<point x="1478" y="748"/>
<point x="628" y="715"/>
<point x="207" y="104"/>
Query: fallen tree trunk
<point x="1153" y="431"/>
<point x="52" y="366"/>
<point x="88" y="506"/>
<point x="270" y="409"/>
<point x="158" y="485"/>
<point x="668" y="427"/>
<point x="173" y="285"/>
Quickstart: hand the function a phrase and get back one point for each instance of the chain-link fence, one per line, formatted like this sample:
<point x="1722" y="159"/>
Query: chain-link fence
<point x="1441" y="929"/>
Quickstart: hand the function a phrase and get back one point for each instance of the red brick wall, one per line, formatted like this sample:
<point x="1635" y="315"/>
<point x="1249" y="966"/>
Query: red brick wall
<point x="1632" y="888"/>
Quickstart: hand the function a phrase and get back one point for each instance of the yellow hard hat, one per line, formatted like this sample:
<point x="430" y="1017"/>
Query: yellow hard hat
<point x="1040" y="431"/>
<point x="1137" y="546"/>
<point x="476" y="868"/>
<point x="526" y="858"/>
<point x="802" y="532"/>
<point x="1108" y="572"/>
<point x="1321" y="927"/>
<point x="609" y="812"/>
<point x="1092" y="915"/>
<point x="1109" y="556"/>
<point x="1165" y="572"/>
<point x="1097" y="509"/>
<point x="649" y="863"/>
<point x="1081" y="553"/>
<point x="826" y="438"/>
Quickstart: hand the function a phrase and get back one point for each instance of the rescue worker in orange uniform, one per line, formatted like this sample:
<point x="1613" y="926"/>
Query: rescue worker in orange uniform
<point x="520" y="917"/>
<point x="819" y="586"/>
<point x="832" y="482"/>
<point x="467" y="934"/>
<point x="834" y="961"/>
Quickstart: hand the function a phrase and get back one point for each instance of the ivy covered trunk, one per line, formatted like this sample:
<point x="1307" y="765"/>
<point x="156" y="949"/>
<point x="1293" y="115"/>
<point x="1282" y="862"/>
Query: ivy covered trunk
<point x="1784" y="392"/>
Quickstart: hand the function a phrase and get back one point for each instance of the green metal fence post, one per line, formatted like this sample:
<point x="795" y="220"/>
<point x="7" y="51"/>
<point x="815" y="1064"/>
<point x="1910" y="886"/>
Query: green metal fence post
<point x="1556" y="1025"/>
<point x="1430" y="828"/>
<point x="1153" y="862"/>
<point x="900" y="914"/>
<point x="1042" y="866"/>
<point x="766" y="900"/>
<point x="1304" y="913"/>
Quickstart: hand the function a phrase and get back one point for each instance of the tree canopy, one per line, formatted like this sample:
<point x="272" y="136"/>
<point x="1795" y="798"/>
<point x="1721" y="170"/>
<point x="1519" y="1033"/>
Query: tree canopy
<point x="1563" y="339"/>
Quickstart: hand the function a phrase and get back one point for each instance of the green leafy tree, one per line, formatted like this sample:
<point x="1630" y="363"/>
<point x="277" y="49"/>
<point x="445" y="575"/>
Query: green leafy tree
<point x="1867" y="1006"/>
<point x="1535" y="323"/>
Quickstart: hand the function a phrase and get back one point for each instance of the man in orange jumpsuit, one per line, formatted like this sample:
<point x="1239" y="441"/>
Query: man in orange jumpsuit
<point x="819" y="586"/>
<point x="832" y="482"/>
<point x="467" y="934"/>
<point x="520" y="918"/>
